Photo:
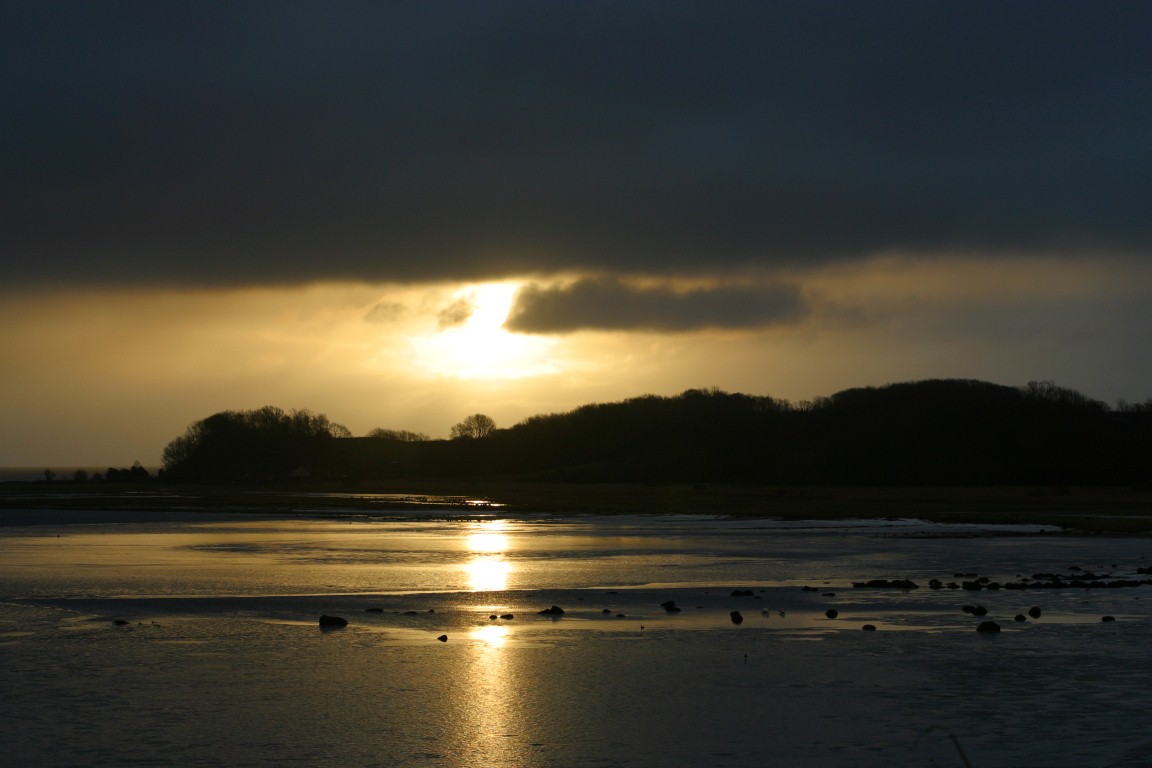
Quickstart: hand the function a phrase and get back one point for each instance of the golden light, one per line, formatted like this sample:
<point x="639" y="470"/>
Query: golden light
<point x="493" y="635"/>
<point x="471" y="343"/>
<point x="488" y="573"/>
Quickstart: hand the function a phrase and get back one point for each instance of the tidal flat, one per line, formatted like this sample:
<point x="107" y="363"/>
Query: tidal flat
<point x="192" y="637"/>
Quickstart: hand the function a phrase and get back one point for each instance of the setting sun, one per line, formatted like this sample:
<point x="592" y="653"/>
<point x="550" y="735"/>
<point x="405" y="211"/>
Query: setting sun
<point x="470" y="341"/>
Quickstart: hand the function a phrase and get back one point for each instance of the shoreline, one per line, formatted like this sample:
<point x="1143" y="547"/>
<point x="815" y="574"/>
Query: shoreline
<point x="1083" y="509"/>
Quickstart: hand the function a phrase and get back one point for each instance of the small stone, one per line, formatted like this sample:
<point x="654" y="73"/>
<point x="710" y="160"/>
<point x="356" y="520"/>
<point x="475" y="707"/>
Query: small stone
<point x="443" y="638"/>
<point x="333" y="621"/>
<point x="1021" y="617"/>
<point x="869" y="627"/>
<point x="831" y="613"/>
<point x="1034" y="611"/>
<point x="988" y="626"/>
<point x="1107" y="618"/>
<point x="736" y="617"/>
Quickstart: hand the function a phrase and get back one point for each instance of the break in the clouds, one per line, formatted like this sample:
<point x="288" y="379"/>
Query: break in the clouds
<point x="218" y="143"/>
<point x="609" y="304"/>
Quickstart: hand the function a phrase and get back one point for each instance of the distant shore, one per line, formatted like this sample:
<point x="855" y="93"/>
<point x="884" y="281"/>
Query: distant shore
<point x="1087" y="509"/>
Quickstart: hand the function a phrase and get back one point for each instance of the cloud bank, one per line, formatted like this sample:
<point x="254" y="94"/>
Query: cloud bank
<point x="614" y="305"/>
<point x="218" y="144"/>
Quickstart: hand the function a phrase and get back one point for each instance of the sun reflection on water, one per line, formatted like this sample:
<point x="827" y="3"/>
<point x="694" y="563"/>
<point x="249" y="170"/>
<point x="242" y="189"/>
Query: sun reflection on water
<point x="488" y="570"/>
<point x="494" y="635"/>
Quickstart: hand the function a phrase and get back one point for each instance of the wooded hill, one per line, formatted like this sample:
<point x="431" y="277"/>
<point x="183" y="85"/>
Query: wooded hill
<point x="936" y="432"/>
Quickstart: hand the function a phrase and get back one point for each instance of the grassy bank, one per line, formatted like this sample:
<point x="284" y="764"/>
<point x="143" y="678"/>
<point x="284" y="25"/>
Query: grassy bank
<point x="1095" y="509"/>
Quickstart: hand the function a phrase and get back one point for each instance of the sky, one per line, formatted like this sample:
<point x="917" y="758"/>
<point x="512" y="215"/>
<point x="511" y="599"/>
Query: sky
<point x="399" y="214"/>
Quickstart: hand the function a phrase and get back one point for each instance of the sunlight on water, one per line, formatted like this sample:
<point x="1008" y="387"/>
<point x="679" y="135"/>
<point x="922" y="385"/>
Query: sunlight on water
<point x="488" y="570"/>
<point x="492" y="635"/>
<point x="488" y="573"/>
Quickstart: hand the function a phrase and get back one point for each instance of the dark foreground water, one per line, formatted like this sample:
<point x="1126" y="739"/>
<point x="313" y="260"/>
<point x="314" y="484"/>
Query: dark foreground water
<point x="196" y="642"/>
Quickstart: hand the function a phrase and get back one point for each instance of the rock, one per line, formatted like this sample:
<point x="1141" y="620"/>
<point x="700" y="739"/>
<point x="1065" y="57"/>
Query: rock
<point x="1107" y="618"/>
<point x="670" y="606"/>
<point x="493" y="617"/>
<point x="411" y="613"/>
<point x="373" y="610"/>
<point x="1021" y="617"/>
<point x="606" y="611"/>
<point x="443" y="638"/>
<point x="736" y="617"/>
<point x="1034" y="611"/>
<point x="988" y="626"/>
<point x="507" y="616"/>
<point x="831" y="613"/>
<point x="333" y="621"/>
<point x="553" y="611"/>
<point x="742" y="593"/>
<point x="869" y="627"/>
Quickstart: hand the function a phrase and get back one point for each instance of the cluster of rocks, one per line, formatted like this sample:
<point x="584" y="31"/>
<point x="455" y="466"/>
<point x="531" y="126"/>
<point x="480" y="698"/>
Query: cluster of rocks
<point x="973" y="583"/>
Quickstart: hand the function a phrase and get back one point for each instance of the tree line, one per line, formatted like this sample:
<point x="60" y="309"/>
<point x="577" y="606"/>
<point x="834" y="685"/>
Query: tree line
<point x="934" y="432"/>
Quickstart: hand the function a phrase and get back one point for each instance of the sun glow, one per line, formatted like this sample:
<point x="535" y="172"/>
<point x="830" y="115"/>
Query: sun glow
<point x="470" y="341"/>
<point x="494" y="635"/>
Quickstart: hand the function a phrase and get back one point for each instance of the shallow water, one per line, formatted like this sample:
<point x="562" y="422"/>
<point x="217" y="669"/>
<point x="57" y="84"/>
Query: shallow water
<point x="220" y="660"/>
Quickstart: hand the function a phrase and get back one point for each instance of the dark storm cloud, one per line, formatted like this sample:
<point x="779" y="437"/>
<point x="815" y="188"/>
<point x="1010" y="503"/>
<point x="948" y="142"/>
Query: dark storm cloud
<point x="239" y="143"/>
<point x="612" y="305"/>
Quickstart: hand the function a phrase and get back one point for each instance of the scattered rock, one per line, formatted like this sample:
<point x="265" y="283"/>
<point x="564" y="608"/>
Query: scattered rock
<point x="507" y="616"/>
<point x="606" y="611"/>
<point x="988" y="626"/>
<point x="120" y="622"/>
<point x="333" y="621"/>
<point x="831" y="613"/>
<point x="742" y="593"/>
<point x="443" y="638"/>
<point x="373" y="610"/>
<point x="1034" y="611"/>
<point x="1107" y="618"/>
<point x="410" y="613"/>
<point x="553" y="611"/>
<point x="493" y="617"/>
<point x="1021" y="617"/>
<point x="736" y="617"/>
<point x="869" y="627"/>
<point x="670" y="606"/>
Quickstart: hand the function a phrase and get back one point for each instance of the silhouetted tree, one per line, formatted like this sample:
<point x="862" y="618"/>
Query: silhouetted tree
<point x="475" y="426"/>
<point x="262" y="444"/>
<point x="401" y="435"/>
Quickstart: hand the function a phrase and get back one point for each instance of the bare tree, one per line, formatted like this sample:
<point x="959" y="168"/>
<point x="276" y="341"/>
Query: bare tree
<point x="403" y="435"/>
<point x="475" y="426"/>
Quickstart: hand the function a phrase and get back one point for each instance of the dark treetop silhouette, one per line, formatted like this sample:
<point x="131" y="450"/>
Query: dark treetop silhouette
<point x="936" y="432"/>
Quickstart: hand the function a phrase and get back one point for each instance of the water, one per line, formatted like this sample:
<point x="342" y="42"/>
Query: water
<point x="219" y="659"/>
